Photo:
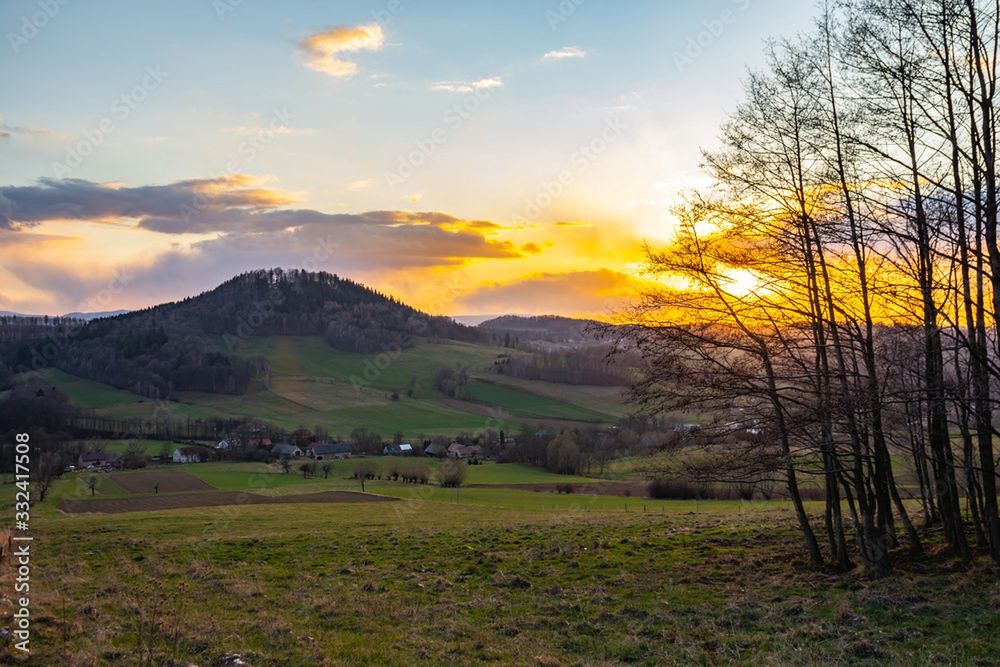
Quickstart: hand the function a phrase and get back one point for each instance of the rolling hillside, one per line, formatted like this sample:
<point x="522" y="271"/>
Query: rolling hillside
<point x="314" y="350"/>
<point x="189" y="345"/>
<point x="311" y="384"/>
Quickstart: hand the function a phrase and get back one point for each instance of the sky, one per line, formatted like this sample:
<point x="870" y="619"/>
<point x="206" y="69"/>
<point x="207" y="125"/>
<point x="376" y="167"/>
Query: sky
<point x="468" y="158"/>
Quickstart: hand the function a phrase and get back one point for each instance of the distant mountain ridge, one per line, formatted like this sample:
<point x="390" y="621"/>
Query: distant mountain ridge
<point x="190" y="345"/>
<point x="553" y="329"/>
<point x="75" y="315"/>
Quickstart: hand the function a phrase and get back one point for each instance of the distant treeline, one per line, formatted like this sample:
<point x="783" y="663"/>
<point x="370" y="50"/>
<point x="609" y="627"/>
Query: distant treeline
<point x="514" y="330"/>
<point x="588" y="365"/>
<point x="15" y="328"/>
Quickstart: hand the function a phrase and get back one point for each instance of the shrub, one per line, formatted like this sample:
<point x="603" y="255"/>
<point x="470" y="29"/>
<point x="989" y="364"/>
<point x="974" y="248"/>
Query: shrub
<point x="365" y="469"/>
<point x="565" y="488"/>
<point x="452" y="473"/>
<point x="686" y="490"/>
<point x="134" y="457"/>
<point x="414" y="472"/>
<point x="562" y="455"/>
<point x="662" y="489"/>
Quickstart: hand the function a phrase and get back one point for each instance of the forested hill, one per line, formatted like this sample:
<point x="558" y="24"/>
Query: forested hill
<point x="190" y="345"/>
<point x="539" y="329"/>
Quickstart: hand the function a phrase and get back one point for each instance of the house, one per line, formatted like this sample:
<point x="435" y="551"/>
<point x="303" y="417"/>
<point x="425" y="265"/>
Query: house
<point x="284" y="449"/>
<point x="686" y="427"/>
<point x="223" y="444"/>
<point x="403" y="449"/>
<point x="436" y="449"/>
<point x="329" y="450"/>
<point x="188" y="455"/>
<point x="95" y="459"/>
<point x="457" y="450"/>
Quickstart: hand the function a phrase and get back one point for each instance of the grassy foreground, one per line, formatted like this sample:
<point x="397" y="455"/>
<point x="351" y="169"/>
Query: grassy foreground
<point x="423" y="581"/>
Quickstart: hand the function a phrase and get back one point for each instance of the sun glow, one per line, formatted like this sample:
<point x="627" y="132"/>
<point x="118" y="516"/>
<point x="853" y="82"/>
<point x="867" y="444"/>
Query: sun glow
<point x="741" y="282"/>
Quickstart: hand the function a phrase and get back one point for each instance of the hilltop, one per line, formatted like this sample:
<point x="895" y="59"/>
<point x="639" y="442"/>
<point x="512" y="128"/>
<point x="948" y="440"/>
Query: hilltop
<point x="190" y="345"/>
<point x="293" y="349"/>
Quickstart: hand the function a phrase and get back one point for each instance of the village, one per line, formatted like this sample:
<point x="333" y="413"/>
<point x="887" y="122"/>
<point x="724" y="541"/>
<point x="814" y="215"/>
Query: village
<point x="233" y="447"/>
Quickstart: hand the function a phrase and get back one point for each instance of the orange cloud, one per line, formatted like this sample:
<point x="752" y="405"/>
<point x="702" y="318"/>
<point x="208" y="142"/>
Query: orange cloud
<point x="324" y="48"/>
<point x="594" y="293"/>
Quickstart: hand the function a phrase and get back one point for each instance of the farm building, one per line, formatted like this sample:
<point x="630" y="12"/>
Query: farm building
<point x="329" y="450"/>
<point x="223" y="444"/>
<point x="285" y="449"/>
<point x="435" y="449"/>
<point x="188" y="455"/>
<point x="95" y="459"/>
<point x="457" y="450"/>
<point x="404" y="449"/>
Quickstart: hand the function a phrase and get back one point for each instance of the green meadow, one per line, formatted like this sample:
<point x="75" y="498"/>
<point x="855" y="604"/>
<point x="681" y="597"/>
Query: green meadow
<point x="476" y="576"/>
<point x="311" y="384"/>
<point x="522" y="403"/>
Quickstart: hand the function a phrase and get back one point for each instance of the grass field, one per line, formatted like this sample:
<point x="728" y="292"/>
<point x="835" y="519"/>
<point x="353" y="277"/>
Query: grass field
<point x="603" y="400"/>
<point x="150" y="447"/>
<point x="505" y="577"/>
<point x="88" y="394"/>
<point x="269" y="479"/>
<point x="312" y="385"/>
<point x="522" y="403"/>
<point x="305" y="356"/>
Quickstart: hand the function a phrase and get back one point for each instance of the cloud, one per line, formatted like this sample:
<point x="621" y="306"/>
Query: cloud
<point x="564" y="53"/>
<point x="231" y="205"/>
<point x="264" y="130"/>
<point x="416" y="197"/>
<point x="323" y="49"/>
<point x="465" y="87"/>
<point x="593" y="293"/>
<point x="251" y="228"/>
<point x="197" y="201"/>
<point x="366" y="246"/>
<point x="360" y="184"/>
<point x="7" y="130"/>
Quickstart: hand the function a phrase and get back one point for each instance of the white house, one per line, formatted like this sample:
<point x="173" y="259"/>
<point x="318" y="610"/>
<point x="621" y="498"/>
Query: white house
<point x="187" y="455"/>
